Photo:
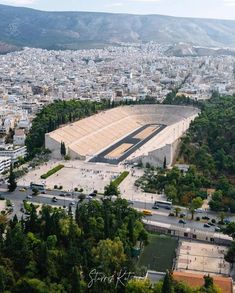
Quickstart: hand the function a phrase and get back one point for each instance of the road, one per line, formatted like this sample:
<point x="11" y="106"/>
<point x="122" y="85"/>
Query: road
<point x="161" y="215"/>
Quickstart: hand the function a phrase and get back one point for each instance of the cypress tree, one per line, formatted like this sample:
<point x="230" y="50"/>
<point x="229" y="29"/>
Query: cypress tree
<point x="76" y="280"/>
<point x="164" y="163"/>
<point x="62" y="149"/>
<point x="167" y="286"/>
<point x="12" y="181"/>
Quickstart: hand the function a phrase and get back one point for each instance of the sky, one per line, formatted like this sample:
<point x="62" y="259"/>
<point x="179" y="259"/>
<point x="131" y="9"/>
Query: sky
<point x="222" y="9"/>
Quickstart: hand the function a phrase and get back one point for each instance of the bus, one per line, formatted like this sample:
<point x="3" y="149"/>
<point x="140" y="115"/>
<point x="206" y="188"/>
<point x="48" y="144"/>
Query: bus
<point x="40" y="187"/>
<point x="163" y="204"/>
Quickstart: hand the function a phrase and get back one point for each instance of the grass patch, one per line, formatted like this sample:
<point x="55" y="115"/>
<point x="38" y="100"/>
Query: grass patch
<point x="159" y="254"/>
<point x="52" y="171"/>
<point x="120" y="178"/>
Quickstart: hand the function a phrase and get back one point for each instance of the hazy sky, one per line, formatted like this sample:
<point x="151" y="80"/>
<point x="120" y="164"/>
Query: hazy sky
<point x="191" y="8"/>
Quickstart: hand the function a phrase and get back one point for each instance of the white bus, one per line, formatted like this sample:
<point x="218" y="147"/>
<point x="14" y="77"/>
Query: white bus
<point x="163" y="204"/>
<point x="40" y="187"/>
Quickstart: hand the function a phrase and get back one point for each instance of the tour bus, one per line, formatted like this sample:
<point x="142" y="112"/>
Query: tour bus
<point x="163" y="204"/>
<point x="40" y="187"/>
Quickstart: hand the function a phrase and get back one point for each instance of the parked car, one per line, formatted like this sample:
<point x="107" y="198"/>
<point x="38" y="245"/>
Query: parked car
<point x="29" y="196"/>
<point x="181" y="221"/>
<point x="155" y="207"/>
<point x="211" y="224"/>
<point x="199" y="210"/>
<point x="72" y="203"/>
<point x="130" y="202"/>
<point x="207" y="225"/>
<point x="205" y="218"/>
<point x="182" y="215"/>
<point x="22" y="189"/>
<point x="227" y="221"/>
<point x="54" y="199"/>
<point x="217" y="229"/>
<point x="171" y="215"/>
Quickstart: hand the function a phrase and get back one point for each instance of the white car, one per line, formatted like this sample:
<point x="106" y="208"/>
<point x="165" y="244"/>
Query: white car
<point x="72" y="203"/>
<point x="29" y="196"/>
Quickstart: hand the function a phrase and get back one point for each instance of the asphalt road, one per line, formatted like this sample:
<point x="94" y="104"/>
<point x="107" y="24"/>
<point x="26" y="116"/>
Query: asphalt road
<point x="161" y="215"/>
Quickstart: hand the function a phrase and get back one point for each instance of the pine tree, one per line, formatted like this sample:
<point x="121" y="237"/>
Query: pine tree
<point x="12" y="181"/>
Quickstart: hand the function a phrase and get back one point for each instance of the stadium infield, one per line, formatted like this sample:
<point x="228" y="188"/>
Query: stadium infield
<point x="122" y="149"/>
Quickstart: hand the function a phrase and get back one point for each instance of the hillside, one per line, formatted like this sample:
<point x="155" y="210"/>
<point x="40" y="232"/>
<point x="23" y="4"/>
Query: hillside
<point x="28" y="27"/>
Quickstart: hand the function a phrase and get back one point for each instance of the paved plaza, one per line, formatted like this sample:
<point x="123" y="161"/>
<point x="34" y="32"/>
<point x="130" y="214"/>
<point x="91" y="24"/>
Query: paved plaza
<point x="90" y="177"/>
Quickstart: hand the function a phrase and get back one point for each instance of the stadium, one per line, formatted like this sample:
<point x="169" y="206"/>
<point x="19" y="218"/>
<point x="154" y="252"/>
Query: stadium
<point x="139" y="133"/>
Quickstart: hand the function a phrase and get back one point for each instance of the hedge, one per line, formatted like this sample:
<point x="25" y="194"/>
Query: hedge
<point x="52" y="171"/>
<point x="120" y="178"/>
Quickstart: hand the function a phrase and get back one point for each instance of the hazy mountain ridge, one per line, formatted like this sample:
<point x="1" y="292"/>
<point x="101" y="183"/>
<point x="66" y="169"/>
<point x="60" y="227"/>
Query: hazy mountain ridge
<point x="28" y="27"/>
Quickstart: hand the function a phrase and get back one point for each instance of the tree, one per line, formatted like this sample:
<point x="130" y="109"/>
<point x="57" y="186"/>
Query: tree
<point x="171" y="192"/>
<point x="167" y="286"/>
<point x="62" y="149"/>
<point x="196" y="203"/>
<point x="138" y="286"/>
<point x="230" y="256"/>
<point x="30" y="285"/>
<point x="76" y="286"/>
<point x="208" y="281"/>
<point x="177" y="210"/>
<point x="222" y="217"/>
<point x="164" y="163"/>
<point x="111" y="189"/>
<point x="12" y="184"/>
<point x="109" y="254"/>
<point x="229" y="229"/>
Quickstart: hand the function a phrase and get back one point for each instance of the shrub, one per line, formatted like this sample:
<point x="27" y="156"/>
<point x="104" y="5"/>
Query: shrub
<point x="120" y="178"/>
<point x="52" y="171"/>
<point x="35" y="191"/>
<point x="8" y="203"/>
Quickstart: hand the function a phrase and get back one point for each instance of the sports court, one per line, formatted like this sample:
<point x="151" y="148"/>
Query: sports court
<point x="202" y="257"/>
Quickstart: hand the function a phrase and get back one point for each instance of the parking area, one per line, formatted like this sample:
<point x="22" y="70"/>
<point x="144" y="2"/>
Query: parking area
<point x="208" y="258"/>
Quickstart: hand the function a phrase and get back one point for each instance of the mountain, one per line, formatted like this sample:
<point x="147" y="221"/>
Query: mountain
<point x="55" y="30"/>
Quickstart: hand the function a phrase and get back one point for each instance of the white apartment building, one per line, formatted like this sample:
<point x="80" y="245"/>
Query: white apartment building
<point x="5" y="163"/>
<point x="14" y="152"/>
